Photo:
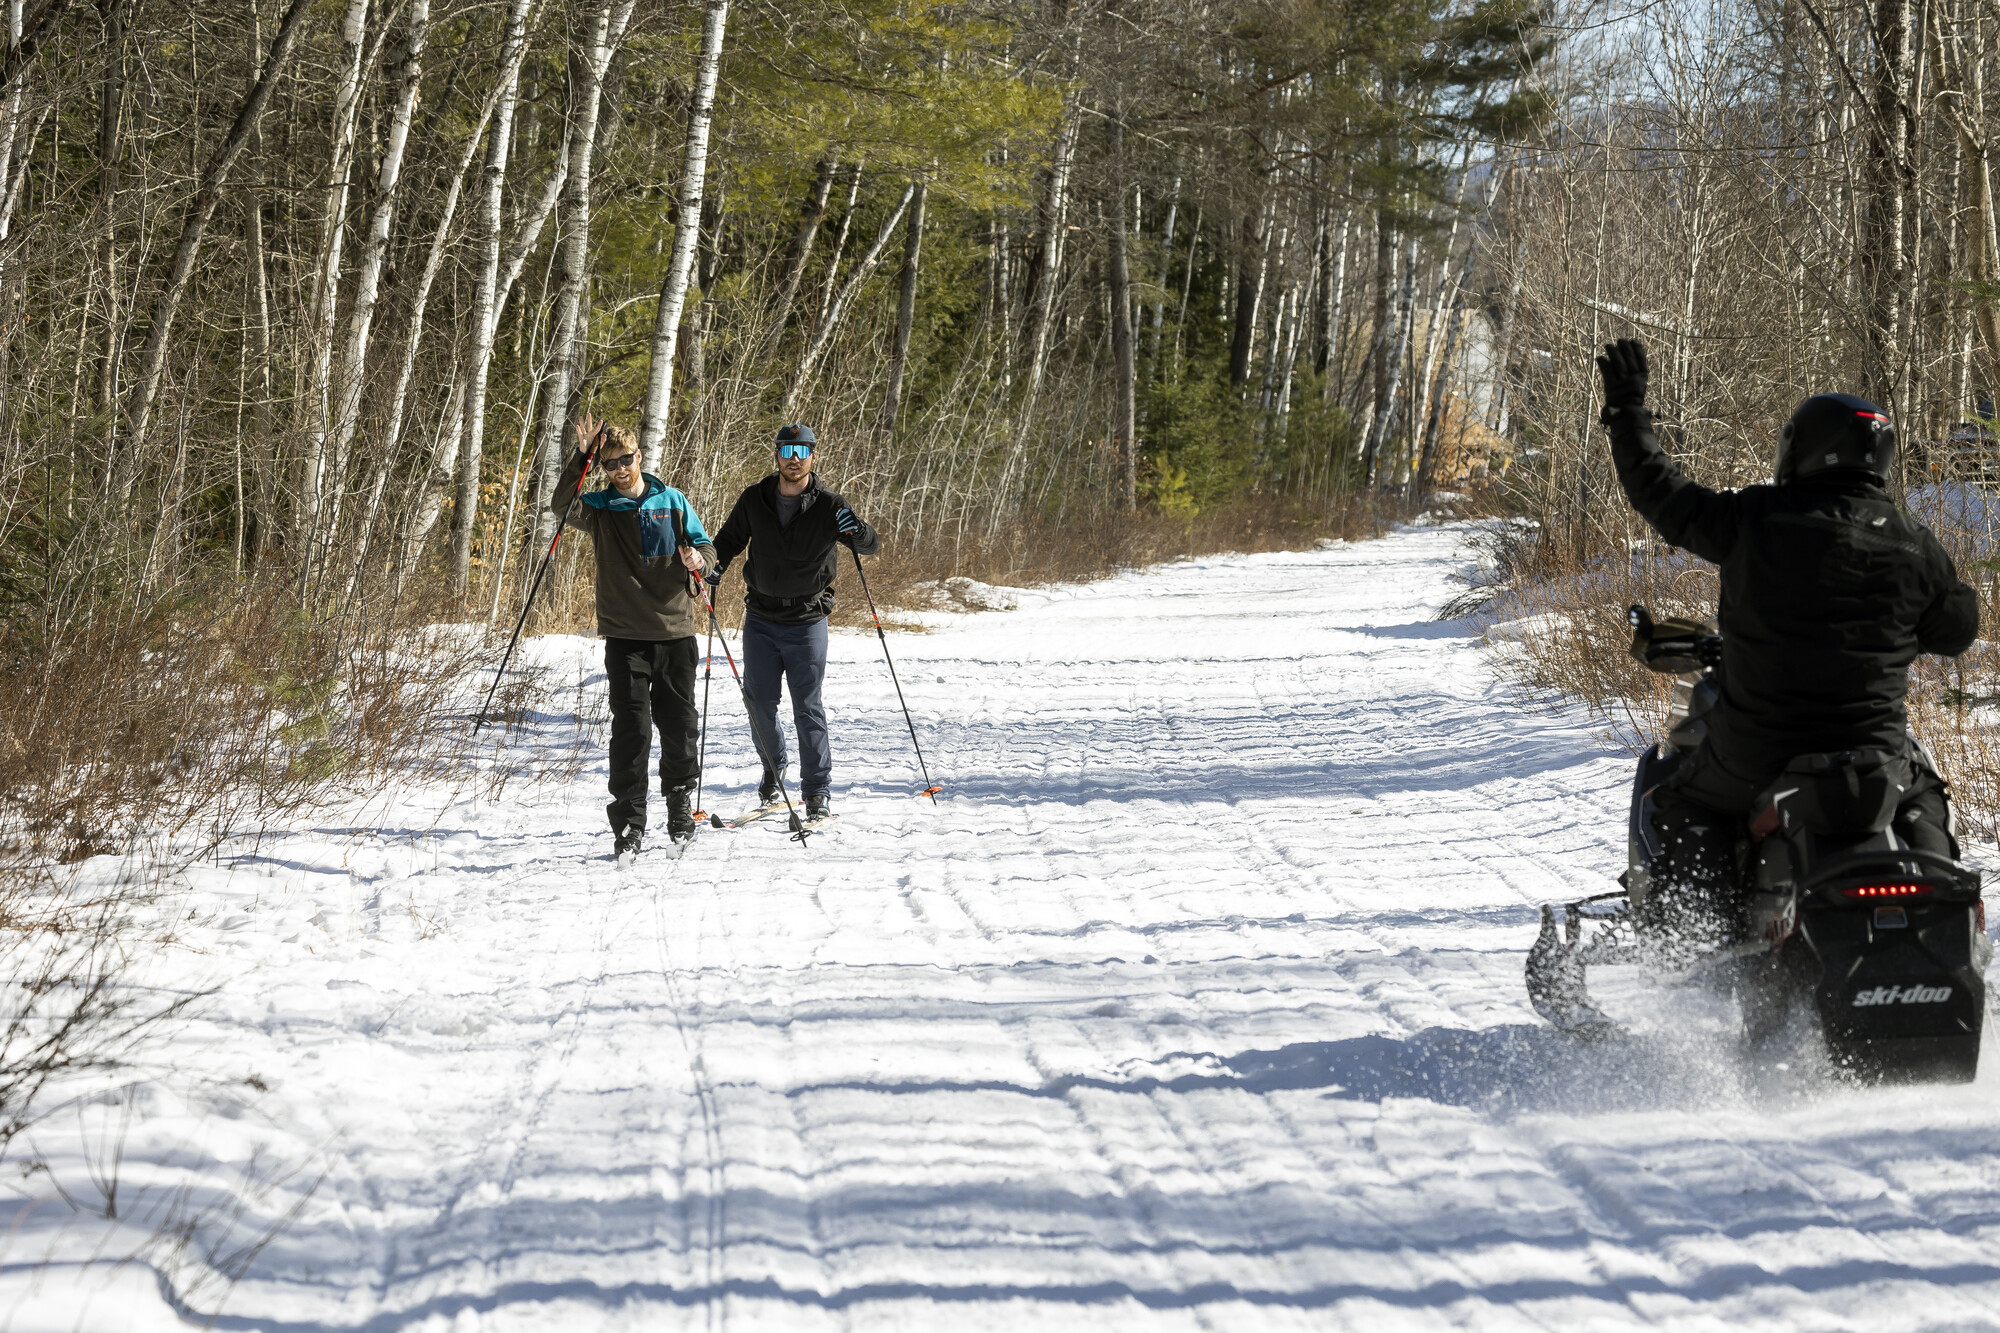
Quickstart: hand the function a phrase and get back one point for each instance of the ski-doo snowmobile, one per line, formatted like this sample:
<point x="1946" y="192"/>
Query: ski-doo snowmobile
<point x="1836" y="918"/>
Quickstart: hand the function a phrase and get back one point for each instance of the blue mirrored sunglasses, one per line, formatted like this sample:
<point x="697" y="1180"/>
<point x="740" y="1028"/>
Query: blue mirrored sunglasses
<point x="795" y="451"/>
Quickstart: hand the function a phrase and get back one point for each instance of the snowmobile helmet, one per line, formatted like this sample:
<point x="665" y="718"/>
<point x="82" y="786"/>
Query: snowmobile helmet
<point x="1835" y="432"/>
<point x="796" y="435"/>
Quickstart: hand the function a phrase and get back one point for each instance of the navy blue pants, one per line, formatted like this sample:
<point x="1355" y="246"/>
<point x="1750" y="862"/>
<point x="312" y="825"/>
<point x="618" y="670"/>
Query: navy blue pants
<point x="796" y="656"/>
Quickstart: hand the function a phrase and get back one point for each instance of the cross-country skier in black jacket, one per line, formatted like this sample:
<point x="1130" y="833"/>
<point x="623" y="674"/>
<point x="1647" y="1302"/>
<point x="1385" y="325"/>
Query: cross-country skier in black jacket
<point x="794" y="528"/>
<point x="1828" y="593"/>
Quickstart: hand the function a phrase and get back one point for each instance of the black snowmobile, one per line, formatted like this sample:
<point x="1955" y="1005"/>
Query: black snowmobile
<point x="1836" y="917"/>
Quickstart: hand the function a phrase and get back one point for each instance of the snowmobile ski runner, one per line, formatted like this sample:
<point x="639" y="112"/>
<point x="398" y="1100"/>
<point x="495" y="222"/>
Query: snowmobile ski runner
<point x="1836" y="920"/>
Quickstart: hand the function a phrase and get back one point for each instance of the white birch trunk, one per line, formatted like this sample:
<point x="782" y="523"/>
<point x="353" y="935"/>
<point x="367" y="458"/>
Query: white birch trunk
<point x="12" y="134"/>
<point x="374" y="254"/>
<point x="823" y="339"/>
<point x="1166" y="269"/>
<point x="443" y="464"/>
<point x="607" y="31"/>
<point x="1055" y="222"/>
<point x="1398" y="347"/>
<point x="687" y="233"/>
<point x="419" y="305"/>
<point x="486" y="305"/>
<point x="326" y="280"/>
<point x="839" y="248"/>
<point x="529" y="233"/>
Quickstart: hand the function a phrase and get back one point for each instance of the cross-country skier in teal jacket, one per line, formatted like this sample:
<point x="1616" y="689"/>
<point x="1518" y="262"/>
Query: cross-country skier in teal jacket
<point x="651" y="554"/>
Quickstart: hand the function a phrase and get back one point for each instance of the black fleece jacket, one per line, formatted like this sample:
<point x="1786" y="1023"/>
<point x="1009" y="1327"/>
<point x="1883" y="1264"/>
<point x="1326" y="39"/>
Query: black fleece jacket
<point x="789" y="576"/>
<point x="1828" y="593"/>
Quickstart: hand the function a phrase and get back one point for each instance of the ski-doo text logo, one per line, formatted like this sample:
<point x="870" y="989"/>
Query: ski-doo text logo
<point x="1902" y="995"/>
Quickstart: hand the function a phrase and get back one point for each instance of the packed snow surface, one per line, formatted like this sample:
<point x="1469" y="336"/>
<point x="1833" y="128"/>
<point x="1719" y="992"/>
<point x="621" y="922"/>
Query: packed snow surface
<point x="1195" y="1003"/>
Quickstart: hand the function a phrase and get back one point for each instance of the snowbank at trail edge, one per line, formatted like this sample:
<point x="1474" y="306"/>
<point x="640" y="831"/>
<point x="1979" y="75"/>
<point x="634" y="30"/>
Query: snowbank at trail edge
<point x="1195" y="1003"/>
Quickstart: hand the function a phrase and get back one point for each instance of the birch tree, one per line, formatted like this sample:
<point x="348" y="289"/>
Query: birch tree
<point x="605" y="33"/>
<point x="687" y="230"/>
<point x="486" y="304"/>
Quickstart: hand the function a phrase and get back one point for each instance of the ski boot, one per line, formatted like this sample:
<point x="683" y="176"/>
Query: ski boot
<point x="627" y="843"/>
<point x="680" y="813"/>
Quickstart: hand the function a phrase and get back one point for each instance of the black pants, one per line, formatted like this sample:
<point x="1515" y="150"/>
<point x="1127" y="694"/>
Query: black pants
<point x="651" y="684"/>
<point x="1700" y="816"/>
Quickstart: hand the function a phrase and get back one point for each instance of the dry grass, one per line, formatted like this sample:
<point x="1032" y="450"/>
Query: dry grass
<point x="184" y="716"/>
<point x="1564" y="621"/>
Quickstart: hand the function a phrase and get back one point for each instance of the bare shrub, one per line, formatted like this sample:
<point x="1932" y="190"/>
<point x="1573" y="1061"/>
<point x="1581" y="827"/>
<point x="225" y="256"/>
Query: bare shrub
<point x="1564" y="623"/>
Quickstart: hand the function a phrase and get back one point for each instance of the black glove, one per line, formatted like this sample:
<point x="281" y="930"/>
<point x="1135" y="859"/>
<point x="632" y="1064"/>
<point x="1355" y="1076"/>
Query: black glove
<point x="844" y="519"/>
<point x="1623" y="367"/>
<point x="714" y="575"/>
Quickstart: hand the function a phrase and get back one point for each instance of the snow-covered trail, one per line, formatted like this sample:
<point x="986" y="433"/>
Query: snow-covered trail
<point x="1195" y="1004"/>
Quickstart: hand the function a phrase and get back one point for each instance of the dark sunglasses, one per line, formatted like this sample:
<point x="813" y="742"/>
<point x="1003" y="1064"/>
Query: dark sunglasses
<point x="620" y="463"/>
<point x="795" y="451"/>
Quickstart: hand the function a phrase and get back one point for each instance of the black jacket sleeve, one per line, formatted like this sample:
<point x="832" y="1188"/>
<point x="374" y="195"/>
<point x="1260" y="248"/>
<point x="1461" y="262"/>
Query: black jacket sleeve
<point x="866" y="541"/>
<point x="735" y="534"/>
<point x="1950" y="623"/>
<point x="1688" y="515"/>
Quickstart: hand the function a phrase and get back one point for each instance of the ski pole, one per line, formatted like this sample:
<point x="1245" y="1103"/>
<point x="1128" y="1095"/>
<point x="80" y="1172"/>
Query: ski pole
<point x="768" y="754"/>
<point x="701" y="760"/>
<point x="589" y="460"/>
<point x="708" y="676"/>
<point x="931" y="789"/>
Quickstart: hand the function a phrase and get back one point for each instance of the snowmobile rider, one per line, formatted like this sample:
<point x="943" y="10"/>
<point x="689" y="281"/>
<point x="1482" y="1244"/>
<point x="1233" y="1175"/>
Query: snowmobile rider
<point x="1828" y="592"/>
<point x="791" y="524"/>
<point x="651" y="554"/>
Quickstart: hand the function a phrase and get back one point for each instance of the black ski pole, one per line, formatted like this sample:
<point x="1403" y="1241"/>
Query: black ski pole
<point x="931" y="789"/>
<point x="766" y="753"/>
<point x="589" y="460"/>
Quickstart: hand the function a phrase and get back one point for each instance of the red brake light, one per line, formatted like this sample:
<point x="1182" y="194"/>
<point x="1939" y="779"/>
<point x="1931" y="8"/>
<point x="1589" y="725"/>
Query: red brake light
<point x="1886" y="891"/>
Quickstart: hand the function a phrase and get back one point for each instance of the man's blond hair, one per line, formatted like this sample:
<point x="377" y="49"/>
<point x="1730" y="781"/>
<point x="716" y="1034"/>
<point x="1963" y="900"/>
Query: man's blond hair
<point x="620" y="436"/>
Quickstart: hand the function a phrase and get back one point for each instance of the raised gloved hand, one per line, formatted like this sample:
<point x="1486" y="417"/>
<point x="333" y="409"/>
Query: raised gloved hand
<point x="1623" y="367"/>
<point x="844" y="519"/>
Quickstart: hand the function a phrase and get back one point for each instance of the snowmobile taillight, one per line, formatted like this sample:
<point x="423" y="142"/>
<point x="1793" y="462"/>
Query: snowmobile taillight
<point x="1886" y="891"/>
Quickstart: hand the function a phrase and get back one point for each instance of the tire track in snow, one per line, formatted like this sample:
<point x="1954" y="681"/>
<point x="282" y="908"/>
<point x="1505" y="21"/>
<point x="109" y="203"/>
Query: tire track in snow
<point x="687" y="1030"/>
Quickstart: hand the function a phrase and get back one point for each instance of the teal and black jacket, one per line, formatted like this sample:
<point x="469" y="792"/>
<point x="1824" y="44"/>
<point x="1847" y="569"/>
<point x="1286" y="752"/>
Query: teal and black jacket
<point x="642" y="587"/>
